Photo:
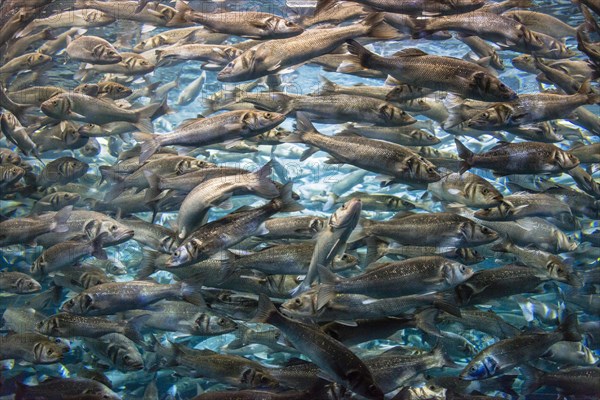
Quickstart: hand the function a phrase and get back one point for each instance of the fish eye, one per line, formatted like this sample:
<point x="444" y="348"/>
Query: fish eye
<point x="221" y="321"/>
<point x="268" y="115"/>
<point x="49" y="352"/>
<point x="113" y="228"/>
<point x="126" y="358"/>
<point x="289" y="23"/>
<point x="297" y="300"/>
<point x="176" y="254"/>
<point x="485" y="191"/>
<point x="485" y="230"/>
<point x="462" y="268"/>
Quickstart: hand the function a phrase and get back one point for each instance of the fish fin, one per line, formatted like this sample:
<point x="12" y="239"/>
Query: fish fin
<point x="149" y="147"/>
<point x="349" y="67"/>
<point x="531" y="379"/>
<point x="98" y="251"/>
<point x="357" y="49"/>
<point x="425" y="321"/>
<point x="286" y="197"/>
<point x="570" y="328"/>
<point x="60" y="219"/>
<point x="308" y="152"/>
<point x="192" y="294"/>
<point x="327" y="86"/>
<point x="346" y="322"/>
<point x="465" y="154"/>
<point x="181" y="9"/>
<point x="330" y="202"/>
<point x="325" y="294"/>
<point x="265" y="311"/>
<point x="265" y="188"/>
<point x="148" y="264"/>
<point x="440" y="352"/>
<point x="133" y="327"/>
<point x="378" y="28"/>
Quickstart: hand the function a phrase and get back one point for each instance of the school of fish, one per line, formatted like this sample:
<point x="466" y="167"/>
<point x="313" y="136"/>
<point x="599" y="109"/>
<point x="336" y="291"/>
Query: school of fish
<point x="311" y="199"/>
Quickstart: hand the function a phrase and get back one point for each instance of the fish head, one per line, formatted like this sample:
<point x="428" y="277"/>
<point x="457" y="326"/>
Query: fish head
<point x="35" y="59"/>
<point x="430" y="138"/>
<point x="116" y="232"/>
<point x="8" y="122"/>
<point x="420" y="169"/>
<point x="214" y="324"/>
<point x="90" y="130"/>
<point x="90" y="89"/>
<point x="138" y="64"/>
<point x="486" y="194"/>
<point x="281" y="27"/>
<point x="116" y="267"/>
<point x="565" y="159"/>
<point x="47" y="352"/>
<point x="256" y="378"/>
<point x="260" y="121"/>
<point x="479" y="368"/>
<point x="183" y="254"/>
<point x="241" y="68"/>
<point x="304" y="304"/>
<point x="496" y="115"/>
<point x="524" y="62"/>
<point x="49" y="326"/>
<point x="57" y="107"/>
<point x="12" y="173"/>
<point x="38" y="267"/>
<point x="491" y="88"/>
<point x="130" y="360"/>
<point x="392" y="115"/>
<point x="73" y="167"/>
<point x="476" y="233"/>
<point x="455" y="272"/>
<point x="26" y="285"/>
<point x="347" y="215"/>
<point x="9" y="157"/>
<point x="91" y="148"/>
<point x="468" y="256"/>
<point x="345" y="261"/>
<point x="563" y="243"/>
<point x="500" y="212"/>
<point x="80" y="304"/>
<point x="116" y="90"/>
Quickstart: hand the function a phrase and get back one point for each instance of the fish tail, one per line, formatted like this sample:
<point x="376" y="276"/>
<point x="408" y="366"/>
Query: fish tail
<point x="192" y="294"/>
<point x="570" y="328"/>
<point x="240" y="335"/>
<point x="97" y="250"/>
<point x="425" y="321"/>
<point x="266" y="309"/>
<point x="145" y="114"/>
<point x="148" y="264"/>
<point x="114" y="191"/>
<point x="420" y="28"/>
<point x="133" y="327"/>
<point x="288" y="204"/>
<point x="326" y="291"/>
<point x="357" y="49"/>
<point x="180" y="16"/>
<point x="466" y="155"/>
<point x="592" y="96"/>
<point x="531" y="379"/>
<point x="378" y="28"/>
<point x="327" y="86"/>
<point x="154" y="181"/>
<point x="441" y="354"/>
<point x="263" y="185"/>
<point x="446" y="303"/>
<point x="60" y="219"/>
<point x="149" y="147"/>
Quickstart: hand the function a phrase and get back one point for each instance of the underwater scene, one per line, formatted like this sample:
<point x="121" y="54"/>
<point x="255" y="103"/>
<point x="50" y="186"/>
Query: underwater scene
<point x="301" y="199"/>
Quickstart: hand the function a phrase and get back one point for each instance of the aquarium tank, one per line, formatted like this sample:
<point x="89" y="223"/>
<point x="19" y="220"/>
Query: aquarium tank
<point x="299" y="200"/>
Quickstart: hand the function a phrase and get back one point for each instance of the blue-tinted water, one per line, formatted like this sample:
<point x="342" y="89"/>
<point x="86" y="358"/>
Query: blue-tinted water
<point x="313" y="180"/>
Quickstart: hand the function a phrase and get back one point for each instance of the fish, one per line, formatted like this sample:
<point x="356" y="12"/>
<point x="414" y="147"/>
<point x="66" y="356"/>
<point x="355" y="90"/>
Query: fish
<point x="518" y="158"/>
<point x="18" y="282"/>
<point x="109" y="298"/>
<point x="27" y="229"/>
<point x="80" y="107"/>
<point x="397" y="161"/>
<point x="444" y="73"/>
<point x="69" y="387"/>
<point x="255" y="25"/>
<point x="511" y="352"/>
<point x="331" y="240"/>
<point x="31" y="347"/>
<point x="273" y="56"/>
<point x="92" y="49"/>
<point x="330" y="355"/>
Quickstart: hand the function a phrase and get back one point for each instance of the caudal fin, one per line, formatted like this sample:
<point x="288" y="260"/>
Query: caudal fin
<point x="531" y="379"/>
<point x="149" y="148"/>
<point x="97" y="250"/>
<point x="133" y="327"/>
<point x="263" y="185"/>
<point x="60" y="219"/>
<point x="286" y="199"/>
<point x="364" y="56"/>
<point x="145" y="114"/>
<point x="265" y="311"/>
<point x="378" y="28"/>
<point x="466" y="155"/>
<point x="570" y="329"/>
